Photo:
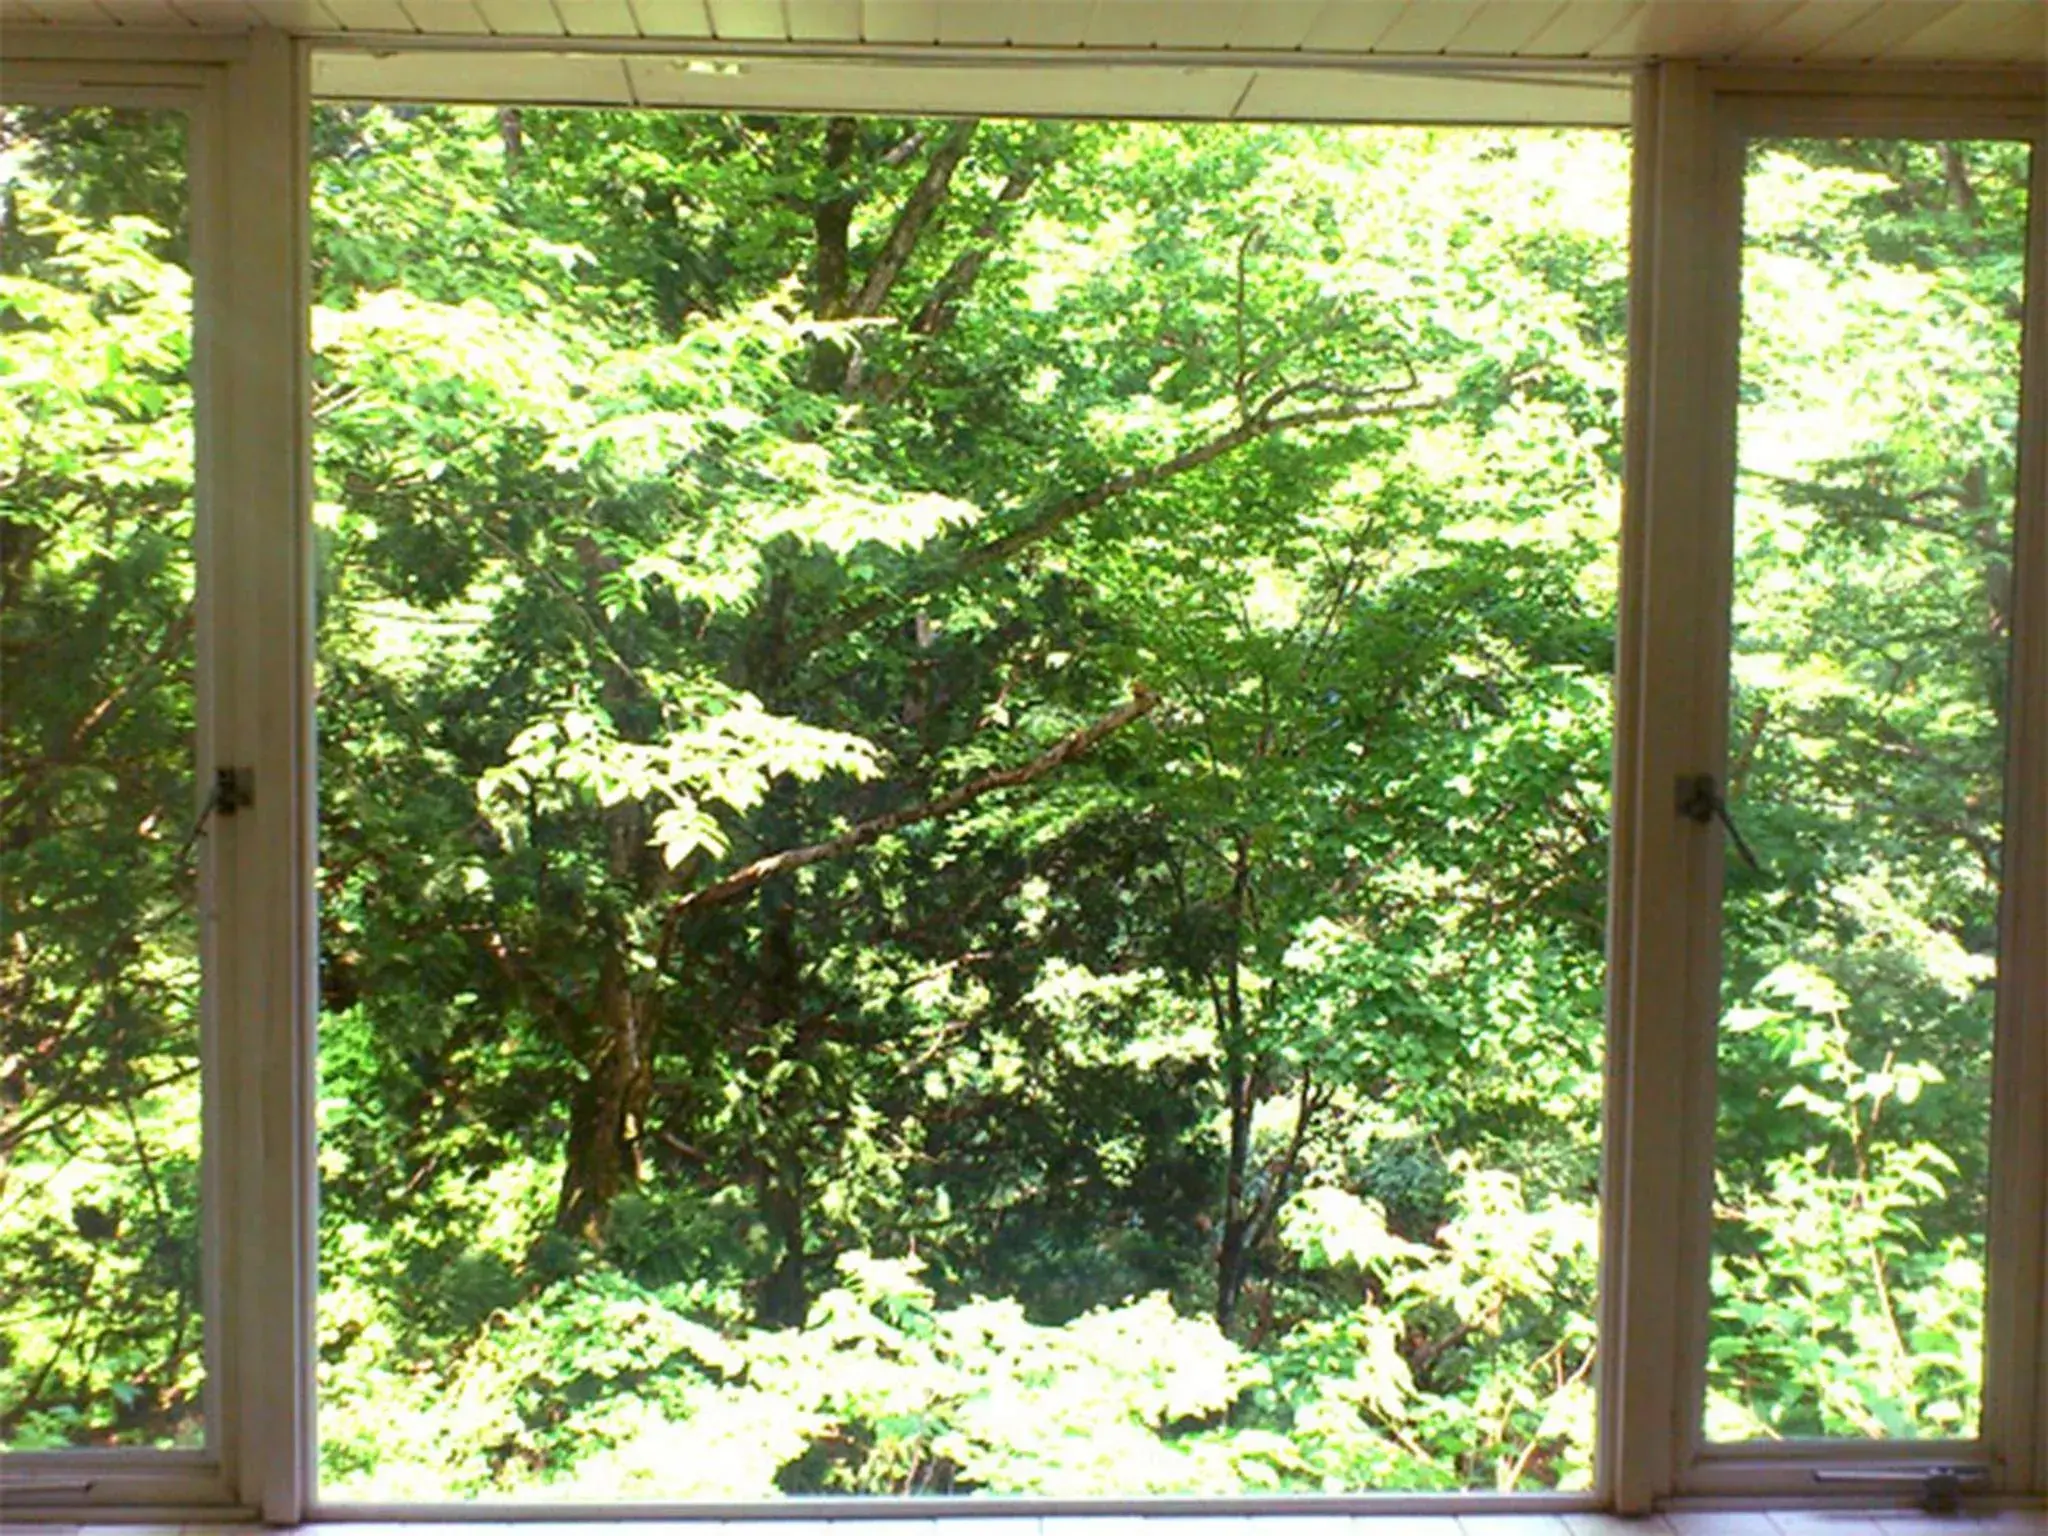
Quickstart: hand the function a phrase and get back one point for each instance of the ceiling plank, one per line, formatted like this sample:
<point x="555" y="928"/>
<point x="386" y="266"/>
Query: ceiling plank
<point x="1503" y="29"/>
<point x="672" y="18"/>
<point x="1054" y="23"/>
<point x="1580" y="28"/>
<point x="1883" y="29"/>
<point x="438" y="17"/>
<point x="153" y="14"/>
<point x="1983" y="32"/>
<point x="1161" y="24"/>
<point x="294" y="15"/>
<point x="1427" y="26"/>
<point x="1352" y="26"/>
<point x="371" y="16"/>
<point x="1804" y="28"/>
<point x="1829" y="31"/>
<point x="521" y="18"/>
<point x="1706" y="29"/>
<point x="823" y="21"/>
<point x="969" y="24"/>
<point x="597" y="18"/>
<point x="1277" y="24"/>
<point x="219" y="15"/>
<point x="899" y="21"/>
<point x="748" y="20"/>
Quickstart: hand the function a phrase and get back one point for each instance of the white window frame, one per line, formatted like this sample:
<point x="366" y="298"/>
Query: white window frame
<point x="248" y="98"/>
<point x="244" y="107"/>
<point x="1693" y="126"/>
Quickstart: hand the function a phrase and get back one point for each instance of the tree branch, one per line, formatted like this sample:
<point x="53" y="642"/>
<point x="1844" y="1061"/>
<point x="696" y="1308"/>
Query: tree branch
<point x="174" y="637"/>
<point x="743" y="880"/>
<point x="1282" y="1170"/>
<point x="95" y="719"/>
<point x="936" y="313"/>
<point x="1956" y="171"/>
<point x="832" y="219"/>
<point x="1351" y="405"/>
<point x="1827" y="499"/>
<point x="911" y="219"/>
<point x="1244" y="255"/>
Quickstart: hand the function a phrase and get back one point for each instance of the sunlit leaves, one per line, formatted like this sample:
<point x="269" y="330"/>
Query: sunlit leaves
<point x="728" y="762"/>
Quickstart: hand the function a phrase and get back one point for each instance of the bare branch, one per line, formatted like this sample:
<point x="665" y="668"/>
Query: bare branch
<point x="905" y="148"/>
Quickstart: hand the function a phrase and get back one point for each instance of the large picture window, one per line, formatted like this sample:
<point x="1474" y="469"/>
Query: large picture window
<point x="876" y="778"/>
<point x="964" y="803"/>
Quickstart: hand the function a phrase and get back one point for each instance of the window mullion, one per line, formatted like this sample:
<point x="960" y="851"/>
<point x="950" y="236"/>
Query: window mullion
<point x="256" y="480"/>
<point x="1666" y="869"/>
<point x="2016" y="1372"/>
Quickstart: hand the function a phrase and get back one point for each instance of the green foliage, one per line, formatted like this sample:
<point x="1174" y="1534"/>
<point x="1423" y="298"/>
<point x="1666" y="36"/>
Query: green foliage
<point x="1871" y="629"/>
<point x="963" y="800"/>
<point x="658" y="599"/>
<point x="100" y="1340"/>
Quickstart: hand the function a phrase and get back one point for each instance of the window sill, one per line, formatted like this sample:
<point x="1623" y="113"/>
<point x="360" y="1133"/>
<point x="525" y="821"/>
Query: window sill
<point x="1865" y="1521"/>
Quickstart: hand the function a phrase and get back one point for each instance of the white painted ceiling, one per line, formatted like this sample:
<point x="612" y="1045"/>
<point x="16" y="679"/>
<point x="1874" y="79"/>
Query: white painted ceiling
<point x="1438" y="61"/>
<point x="1836" y="31"/>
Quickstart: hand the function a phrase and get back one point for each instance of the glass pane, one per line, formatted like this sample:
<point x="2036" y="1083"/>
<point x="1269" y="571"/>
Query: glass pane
<point x="100" y="1329"/>
<point x="1880" y="374"/>
<point x="965" y="803"/>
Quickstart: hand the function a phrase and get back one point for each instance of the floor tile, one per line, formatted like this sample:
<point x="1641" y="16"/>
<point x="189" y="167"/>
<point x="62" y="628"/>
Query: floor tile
<point x="1405" y="1525"/>
<point x="1828" y="1522"/>
<point x="1720" y="1522"/>
<point x="963" y="1525"/>
<point x="1513" y="1525"/>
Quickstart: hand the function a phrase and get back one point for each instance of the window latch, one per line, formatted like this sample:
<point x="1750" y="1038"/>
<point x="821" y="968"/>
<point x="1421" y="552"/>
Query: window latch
<point x="1700" y="799"/>
<point x="232" y="789"/>
<point x="1941" y="1488"/>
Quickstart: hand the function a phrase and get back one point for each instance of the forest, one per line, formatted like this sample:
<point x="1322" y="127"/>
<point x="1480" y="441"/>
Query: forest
<point x="963" y="798"/>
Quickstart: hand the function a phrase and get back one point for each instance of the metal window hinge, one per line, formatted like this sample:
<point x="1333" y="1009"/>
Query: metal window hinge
<point x="1941" y="1488"/>
<point x="1700" y="799"/>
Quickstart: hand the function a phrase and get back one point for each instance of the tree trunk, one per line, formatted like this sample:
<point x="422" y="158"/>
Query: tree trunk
<point x="608" y="1110"/>
<point x="785" y="1296"/>
<point x="512" y="136"/>
<point x="1233" y="1256"/>
<point x="831" y="272"/>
